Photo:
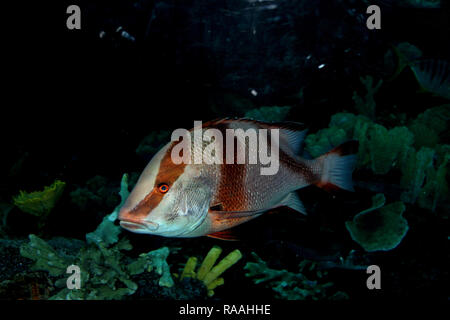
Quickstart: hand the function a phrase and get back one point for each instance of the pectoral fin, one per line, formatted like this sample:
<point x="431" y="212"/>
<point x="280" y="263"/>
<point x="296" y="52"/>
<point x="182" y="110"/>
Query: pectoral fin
<point x="227" y="215"/>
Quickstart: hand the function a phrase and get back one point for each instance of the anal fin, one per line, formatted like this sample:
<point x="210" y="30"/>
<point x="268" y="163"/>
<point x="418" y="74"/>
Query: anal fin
<point x="293" y="201"/>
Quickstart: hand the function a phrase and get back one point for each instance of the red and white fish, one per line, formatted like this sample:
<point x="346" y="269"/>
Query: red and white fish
<point x="191" y="200"/>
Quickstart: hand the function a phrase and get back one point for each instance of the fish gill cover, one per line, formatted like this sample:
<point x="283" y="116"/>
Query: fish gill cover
<point x="163" y="64"/>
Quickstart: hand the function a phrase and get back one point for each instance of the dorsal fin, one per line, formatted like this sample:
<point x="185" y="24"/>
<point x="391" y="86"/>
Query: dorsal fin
<point x="294" y="139"/>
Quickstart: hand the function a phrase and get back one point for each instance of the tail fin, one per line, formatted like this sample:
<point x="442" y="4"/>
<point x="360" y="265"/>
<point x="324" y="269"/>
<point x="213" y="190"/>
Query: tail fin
<point x="337" y="167"/>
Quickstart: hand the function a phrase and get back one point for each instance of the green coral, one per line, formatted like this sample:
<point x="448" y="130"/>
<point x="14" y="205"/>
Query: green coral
<point x="324" y="140"/>
<point x="366" y="105"/>
<point x="107" y="232"/>
<point x="269" y="114"/>
<point x="40" y="203"/>
<point x="414" y="172"/>
<point x="45" y="257"/>
<point x="5" y="208"/>
<point x="386" y="146"/>
<point x="291" y="285"/>
<point x="425" y="176"/>
<point x="208" y="273"/>
<point x="379" y="147"/>
<point x="381" y="227"/>
<point x="411" y="150"/>
<point x="105" y="270"/>
<point x="154" y="261"/>
<point x="436" y="187"/>
<point x="430" y="125"/>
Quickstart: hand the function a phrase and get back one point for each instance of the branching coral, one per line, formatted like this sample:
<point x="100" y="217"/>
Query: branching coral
<point x="105" y="271"/>
<point x="208" y="273"/>
<point x="290" y="285"/>
<point x="366" y="105"/>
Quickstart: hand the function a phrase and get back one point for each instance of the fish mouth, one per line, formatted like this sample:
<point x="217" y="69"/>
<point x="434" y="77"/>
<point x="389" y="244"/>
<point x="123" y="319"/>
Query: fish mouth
<point x="139" y="226"/>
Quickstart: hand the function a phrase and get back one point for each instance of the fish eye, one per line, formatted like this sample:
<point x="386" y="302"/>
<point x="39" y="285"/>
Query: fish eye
<point x="163" y="187"/>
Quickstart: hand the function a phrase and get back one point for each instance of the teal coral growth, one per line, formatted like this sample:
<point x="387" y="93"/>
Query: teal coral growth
<point x="107" y="232"/>
<point x="382" y="150"/>
<point x="366" y="105"/>
<point x="105" y="270"/>
<point x="290" y="285"/>
<point x="380" y="227"/>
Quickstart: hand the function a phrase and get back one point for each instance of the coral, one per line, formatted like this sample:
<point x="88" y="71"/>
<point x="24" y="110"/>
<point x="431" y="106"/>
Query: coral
<point x="379" y="147"/>
<point x="380" y="227"/>
<point x="414" y="170"/>
<point x="208" y="273"/>
<point x="268" y="114"/>
<point x="324" y="140"/>
<point x="290" y="285"/>
<point x="40" y="203"/>
<point x="107" y="232"/>
<point x="366" y="105"/>
<point x="5" y="208"/>
<point x="105" y="271"/>
<point x="387" y="147"/>
<point x="95" y="195"/>
<point x="45" y="257"/>
<point x="154" y="261"/>
<point x="436" y="187"/>
<point x="430" y="125"/>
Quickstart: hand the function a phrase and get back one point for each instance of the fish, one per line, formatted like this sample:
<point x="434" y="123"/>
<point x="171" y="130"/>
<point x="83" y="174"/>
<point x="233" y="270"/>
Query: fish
<point x="188" y="199"/>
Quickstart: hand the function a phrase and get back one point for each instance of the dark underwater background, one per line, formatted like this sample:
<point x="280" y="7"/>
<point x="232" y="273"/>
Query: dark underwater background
<point x="83" y="107"/>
